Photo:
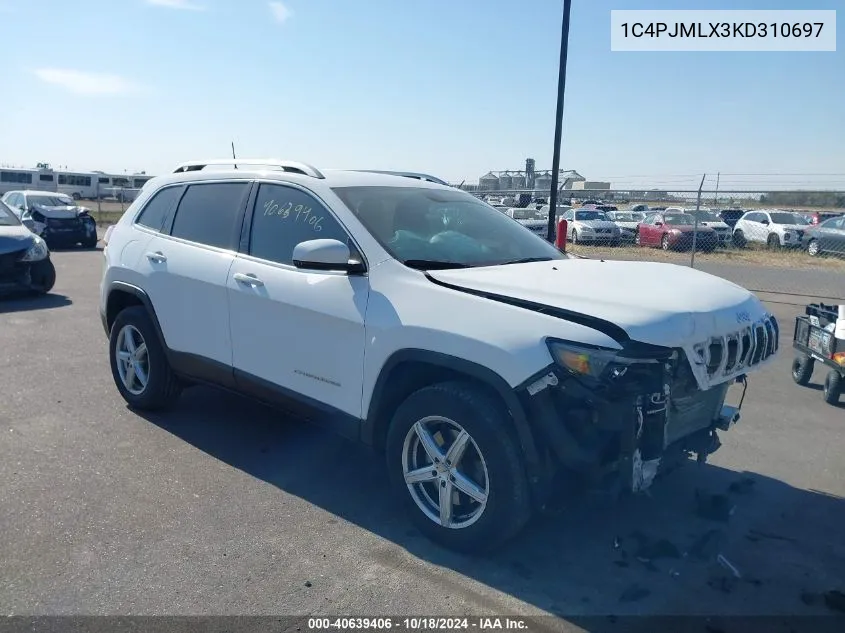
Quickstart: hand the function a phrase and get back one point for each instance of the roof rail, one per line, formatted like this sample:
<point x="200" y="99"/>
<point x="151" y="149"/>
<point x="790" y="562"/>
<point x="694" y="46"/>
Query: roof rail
<point x="285" y="165"/>
<point x="407" y="174"/>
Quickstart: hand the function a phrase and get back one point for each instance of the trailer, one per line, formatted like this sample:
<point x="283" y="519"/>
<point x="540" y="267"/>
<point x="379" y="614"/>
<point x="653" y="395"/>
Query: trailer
<point x="815" y="341"/>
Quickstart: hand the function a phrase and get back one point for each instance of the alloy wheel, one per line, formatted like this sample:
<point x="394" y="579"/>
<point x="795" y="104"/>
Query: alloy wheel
<point x="133" y="362"/>
<point x="445" y="472"/>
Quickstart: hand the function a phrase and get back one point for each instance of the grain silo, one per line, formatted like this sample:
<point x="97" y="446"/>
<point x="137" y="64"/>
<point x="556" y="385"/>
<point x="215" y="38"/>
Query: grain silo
<point x="505" y="180"/>
<point x="543" y="182"/>
<point x="517" y="180"/>
<point x="488" y="182"/>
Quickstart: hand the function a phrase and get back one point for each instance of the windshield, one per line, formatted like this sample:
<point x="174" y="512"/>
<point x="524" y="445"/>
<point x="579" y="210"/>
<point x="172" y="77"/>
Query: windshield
<point x="678" y="219"/>
<point x="705" y="216"/>
<point x="427" y="227"/>
<point x="590" y="215"/>
<point x="7" y="217"/>
<point x="50" y="201"/>
<point x="789" y="218"/>
<point x="626" y="217"/>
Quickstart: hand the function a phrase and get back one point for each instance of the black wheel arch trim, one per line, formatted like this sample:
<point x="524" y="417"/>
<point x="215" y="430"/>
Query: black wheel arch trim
<point x="479" y="372"/>
<point x="612" y="330"/>
<point x="144" y="298"/>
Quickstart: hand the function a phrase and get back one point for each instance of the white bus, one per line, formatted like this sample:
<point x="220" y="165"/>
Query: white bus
<point x="78" y="185"/>
<point x="12" y="179"/>
<point x="124" y="187"/>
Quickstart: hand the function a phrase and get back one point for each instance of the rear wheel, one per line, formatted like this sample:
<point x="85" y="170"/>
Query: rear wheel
<point x="802" y="369"/>
<point x="813" y="248"/>
<point x="90" y="242"/>
<point x="574" y="236"/>
<point x="139" y="364"/>
<point x="664" y="243"/>
<point x="773" y="242"/>
<point x="832" y="387"/>
<point x="454" y="462"/>
<point x="637" y="239"/>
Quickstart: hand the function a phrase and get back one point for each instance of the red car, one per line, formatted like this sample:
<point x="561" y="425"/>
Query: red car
<point x="674" y="231"/>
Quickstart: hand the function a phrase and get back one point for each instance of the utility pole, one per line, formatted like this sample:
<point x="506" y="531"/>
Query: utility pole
<point x="695" y="225"/>
<point x="716" y="196"/>
<point x="561" y="87"/>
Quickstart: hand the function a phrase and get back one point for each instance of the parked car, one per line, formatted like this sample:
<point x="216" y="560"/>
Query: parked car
<point x="707" y="218"/>
<point x="55" y="217"/>
<point x="591" y="226"/>
<point x="532" y="219"/>
<point x="627" y="221"/>
<point x="817" y="217"/>
<point x="675" y="231"/>
<point x="731" y="216"/>
<point x="771" y="227"/>
<point x="828" y="238"/>
<point x="415" y="318"/>
<point x="639" y="208"/>
<point x="24" y="257"/>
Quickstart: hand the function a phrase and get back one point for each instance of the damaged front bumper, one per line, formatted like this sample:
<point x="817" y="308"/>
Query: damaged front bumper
<point x="621" y="431"/>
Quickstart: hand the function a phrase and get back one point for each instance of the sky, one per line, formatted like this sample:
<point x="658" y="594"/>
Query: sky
<point x="452" y="88"/>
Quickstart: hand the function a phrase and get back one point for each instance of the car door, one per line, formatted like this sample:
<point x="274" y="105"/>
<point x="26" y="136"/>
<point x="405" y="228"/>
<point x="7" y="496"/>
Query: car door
<point x="643" y="229"/>
<point x="194" y="232"/>
<point x="653" y="231"/>
<point x="752" y="228"/>
<point x="832" y="236"/>
<point x="297" y="334"/>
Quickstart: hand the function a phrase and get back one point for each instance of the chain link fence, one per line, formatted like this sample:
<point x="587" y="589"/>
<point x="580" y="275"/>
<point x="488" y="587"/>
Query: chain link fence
<point x="782" y="242"/>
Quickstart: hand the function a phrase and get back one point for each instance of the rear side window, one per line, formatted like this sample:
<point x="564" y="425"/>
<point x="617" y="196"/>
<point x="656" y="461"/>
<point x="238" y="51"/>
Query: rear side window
<point x="154" y="213"/>
<point x="207" y="214"/>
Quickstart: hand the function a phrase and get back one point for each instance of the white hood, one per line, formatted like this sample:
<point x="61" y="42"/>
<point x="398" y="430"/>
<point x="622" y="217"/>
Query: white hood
<point x="662" y="304"/>
<point x="793" y="227"/>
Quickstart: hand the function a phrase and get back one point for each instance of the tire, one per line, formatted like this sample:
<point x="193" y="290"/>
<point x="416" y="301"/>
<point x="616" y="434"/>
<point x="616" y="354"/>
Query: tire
<point x="506" y="508"/>
<point x="813" y="248"/>
<point x="664" y="243"/>
<point x="802" y="369"/>
<point x="833" y="387"/>
<point x="76" y="196"/>
<point x="637" y="241"/>
<point x="42" y="276"/>
<point x="739" y="239"/>
<point x="574" y="236"/>
<point x="162" y="387"/>
<point x="773" y="242"/>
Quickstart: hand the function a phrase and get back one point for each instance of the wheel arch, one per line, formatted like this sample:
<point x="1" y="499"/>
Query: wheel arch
<point x="408" y="370"/>
<point x="123" y="295"/>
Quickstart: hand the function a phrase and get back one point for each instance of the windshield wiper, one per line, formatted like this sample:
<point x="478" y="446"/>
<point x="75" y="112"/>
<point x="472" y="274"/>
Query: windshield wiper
<point x="433" y="264"/>
<point x="527" y="260"/>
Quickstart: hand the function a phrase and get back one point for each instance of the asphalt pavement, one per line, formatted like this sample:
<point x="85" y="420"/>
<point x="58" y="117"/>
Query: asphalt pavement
<point x="223" y="506"/>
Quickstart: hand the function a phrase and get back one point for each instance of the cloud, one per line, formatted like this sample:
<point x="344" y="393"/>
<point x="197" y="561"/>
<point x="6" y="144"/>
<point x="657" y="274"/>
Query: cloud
<point x="279" y="11"/>
<point x="177" y="4"/>
<point x="86" y="83"/>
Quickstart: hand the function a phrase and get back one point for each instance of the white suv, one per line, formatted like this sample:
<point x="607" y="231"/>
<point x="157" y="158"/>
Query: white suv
<point x="491" y="369"/>
<point x="771" y="227"/>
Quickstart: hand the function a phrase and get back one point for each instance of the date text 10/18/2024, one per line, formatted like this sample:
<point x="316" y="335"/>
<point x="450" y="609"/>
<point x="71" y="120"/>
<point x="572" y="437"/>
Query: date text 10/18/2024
<point x="418" y="624"/>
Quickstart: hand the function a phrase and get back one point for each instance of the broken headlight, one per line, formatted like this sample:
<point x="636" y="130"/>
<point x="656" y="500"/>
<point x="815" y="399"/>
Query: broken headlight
<point x="36" y="252"/>
<point x="581" y="360"/>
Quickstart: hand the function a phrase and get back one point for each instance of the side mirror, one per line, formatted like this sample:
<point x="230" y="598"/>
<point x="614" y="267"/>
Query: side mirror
<point x="764" y="222"/>
<point x="325" y="255"/>
<point x="658" y="224"/>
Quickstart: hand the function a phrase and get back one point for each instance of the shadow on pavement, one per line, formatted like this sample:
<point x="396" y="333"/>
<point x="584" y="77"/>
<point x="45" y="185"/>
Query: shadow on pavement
<point x="22" y="302"/>
<point x="767" y="548"/>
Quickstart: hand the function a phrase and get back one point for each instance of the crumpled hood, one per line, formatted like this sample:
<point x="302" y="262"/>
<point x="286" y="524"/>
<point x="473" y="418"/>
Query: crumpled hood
<point x="59" y="213"/>
<point x="15" y="238"/>
<point x="661" y="304"/>
<point x="596" y="224"/>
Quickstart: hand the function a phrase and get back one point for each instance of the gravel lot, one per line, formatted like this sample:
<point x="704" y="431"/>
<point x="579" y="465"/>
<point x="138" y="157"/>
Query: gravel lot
<point x="224" y="507"/>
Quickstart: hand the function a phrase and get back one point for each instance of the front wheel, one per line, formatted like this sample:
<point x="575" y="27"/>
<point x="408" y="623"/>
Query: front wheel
<point x="813" y="248"/>
<point x="139" y="364"/>
<point x="773" y="242"/>
<point x="739" y="239"/>
<point x="454" y="461"/>
<point x="637" y="240"/>
<point x="664" y="243"/>
<point x="574" y="236"/>
<point x="802" y="369"/>
<point x="833" y="387"/>
<point x="42" y="276"/>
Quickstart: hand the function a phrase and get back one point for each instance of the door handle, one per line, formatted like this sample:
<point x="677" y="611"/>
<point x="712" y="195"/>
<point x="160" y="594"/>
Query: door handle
<point x="158" y="257"/>
<point x="250" y="279"/>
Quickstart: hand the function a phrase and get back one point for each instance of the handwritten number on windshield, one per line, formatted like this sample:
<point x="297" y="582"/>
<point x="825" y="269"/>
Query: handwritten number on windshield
<point x="298" y="213"/>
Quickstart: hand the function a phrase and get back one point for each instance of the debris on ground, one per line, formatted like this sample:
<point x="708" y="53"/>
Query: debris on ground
<point x="713" y="507"/>
<point x="756" y="535"/>
<point x="616" y="543"/>
<point x="742" y="486"/>
<point x="835" y="600"/>
<point x="724" y="562"/>
<point x="707" y="546"/>
<point x="634" y="593"/>
<point x="307" y="583"/>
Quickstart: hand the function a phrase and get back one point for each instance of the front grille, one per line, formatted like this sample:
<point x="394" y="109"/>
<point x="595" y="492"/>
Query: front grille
<point x="739" y="350"/>
<point x="63" y="223"/>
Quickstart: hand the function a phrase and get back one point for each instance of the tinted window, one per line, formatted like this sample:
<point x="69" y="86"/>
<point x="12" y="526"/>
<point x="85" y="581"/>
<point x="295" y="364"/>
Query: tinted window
<point x="156" y="209"/>
<point x="284" y="217"/>
<point x="207" y="213"/>
<point x="789" y="218"/>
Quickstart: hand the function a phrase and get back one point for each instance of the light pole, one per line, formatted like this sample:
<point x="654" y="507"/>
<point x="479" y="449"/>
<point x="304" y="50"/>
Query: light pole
<point x="561" y="87"/>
